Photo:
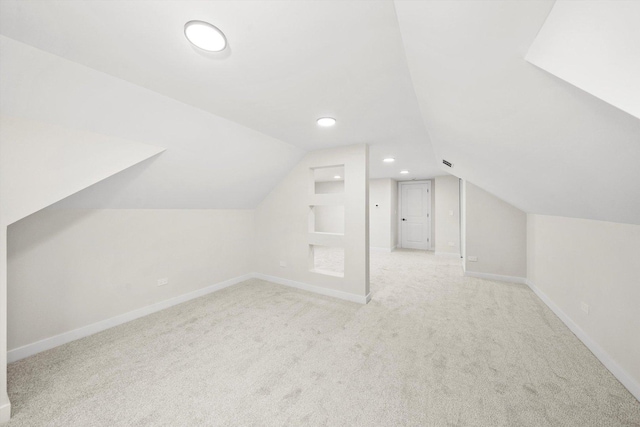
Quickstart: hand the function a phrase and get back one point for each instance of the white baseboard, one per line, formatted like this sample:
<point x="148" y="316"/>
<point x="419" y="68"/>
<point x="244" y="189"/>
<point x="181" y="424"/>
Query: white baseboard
<point x="5" y="408"/>
<point x="66" y="337"/>
<point x="376" y="249"/>
<point x="57" y="340"/>
<point x="627" y="380"/>
<point x="448" y="254"/>
<point x="498" y="277"/>
<point x="316" y="289"/>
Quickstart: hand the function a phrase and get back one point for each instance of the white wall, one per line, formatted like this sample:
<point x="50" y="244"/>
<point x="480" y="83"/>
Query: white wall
<point x="283" y="225"/>
<point x="394" y="213"/>
<point x="5" y="405"/>
<point x="70" y="268"/>
<point x="447" y="215"/>
<point x="383" y="217"/>
<point x="571" y="261"/>
<point x="496" y="233"/>
<point x="463" y="222"/>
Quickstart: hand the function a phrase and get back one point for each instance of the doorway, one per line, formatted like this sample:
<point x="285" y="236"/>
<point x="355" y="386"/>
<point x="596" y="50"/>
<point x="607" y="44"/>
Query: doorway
<point x="414" y="221"/>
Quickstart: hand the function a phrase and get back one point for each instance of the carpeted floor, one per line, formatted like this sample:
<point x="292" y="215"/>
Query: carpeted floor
<point x="433" y="348"/>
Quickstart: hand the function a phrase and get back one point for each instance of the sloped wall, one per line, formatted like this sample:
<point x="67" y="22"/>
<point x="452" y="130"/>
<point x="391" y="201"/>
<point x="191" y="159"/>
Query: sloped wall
<point x="496" y="233"/>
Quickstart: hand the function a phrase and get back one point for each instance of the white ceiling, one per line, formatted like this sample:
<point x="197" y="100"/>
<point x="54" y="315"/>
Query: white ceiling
<point x="509" y="127"/>
<point x="410" y="78"/>
<point x="593" y="45"/>
<point x="289" y="62"/>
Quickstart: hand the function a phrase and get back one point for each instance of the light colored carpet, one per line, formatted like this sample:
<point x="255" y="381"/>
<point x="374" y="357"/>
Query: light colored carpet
<point x="432" y="348"/>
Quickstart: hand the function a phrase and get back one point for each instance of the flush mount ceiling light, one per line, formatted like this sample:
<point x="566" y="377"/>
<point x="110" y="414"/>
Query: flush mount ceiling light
<point x="389" y="160"/>
<point x="205" y="36"/>
<point x="337" y="177"/>
<point x="404" y="172"/>
<point x="326" y="122"/>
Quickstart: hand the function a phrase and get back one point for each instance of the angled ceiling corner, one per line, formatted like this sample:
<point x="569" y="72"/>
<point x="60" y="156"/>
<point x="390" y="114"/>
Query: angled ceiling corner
<point x="43" y="163"/>
<point x="533" y="140"/>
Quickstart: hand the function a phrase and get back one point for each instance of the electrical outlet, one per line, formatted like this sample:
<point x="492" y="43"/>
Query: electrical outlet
<point x="450" y="213"/>
<point x="472" y="258"/>
<point x="283" y="264"/>
<point x="584" y="307"/>
<point x="451" y="244"/>
<point x="163" y="281"/>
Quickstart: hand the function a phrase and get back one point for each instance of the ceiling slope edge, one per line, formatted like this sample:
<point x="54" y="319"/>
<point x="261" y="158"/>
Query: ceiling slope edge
<point x="43" y="163"/>
<point x="531" y="139"/>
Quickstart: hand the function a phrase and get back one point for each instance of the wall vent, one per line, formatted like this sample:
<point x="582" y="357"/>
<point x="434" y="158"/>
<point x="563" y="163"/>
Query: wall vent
<point x="447" y="163"/>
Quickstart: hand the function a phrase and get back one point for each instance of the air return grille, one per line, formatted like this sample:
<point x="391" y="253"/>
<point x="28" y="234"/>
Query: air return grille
<point x="447" y="163"/>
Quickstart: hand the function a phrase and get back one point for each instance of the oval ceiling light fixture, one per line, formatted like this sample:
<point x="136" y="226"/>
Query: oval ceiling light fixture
<point x="205" y="36"/>
<point x="326" y="122"/>
<point x="389" y="160"/>
<point x="404" y="172"/>
<point x="337" y="177"/>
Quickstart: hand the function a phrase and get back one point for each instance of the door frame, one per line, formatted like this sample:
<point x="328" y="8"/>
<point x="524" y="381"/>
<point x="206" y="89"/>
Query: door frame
<point x="429" y="213"/>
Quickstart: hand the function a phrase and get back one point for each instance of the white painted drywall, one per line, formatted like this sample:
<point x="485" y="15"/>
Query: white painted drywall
<point x="496" y="233"/>
<point x="283" y="223"/>
<point x="463" y="221"/>
<point x="503" y="122"/>
<point x="71" y="268"/>
<point x="5" y="405"/>
<point x="276" y="79"/>
<point x="573" y="260"/>
<point x="593" y="45"/>
<point x="42" y="163"/>
<point x="447" y="215"/>
<point x="381" y="218"/>
<point x="394" y="213"/>
<point x="204" y="153"/>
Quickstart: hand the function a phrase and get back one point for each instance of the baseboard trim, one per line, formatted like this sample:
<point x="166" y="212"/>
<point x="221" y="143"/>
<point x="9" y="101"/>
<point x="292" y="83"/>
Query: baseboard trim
<point x="627" y="380"/>
<point x="498" y="277"/>
<point x="85" y="331"/>
<point x="5" y="408"/>
<point x="377" y="249"/>
<point x="315" y="289"/>
<point x="447" y="254"/>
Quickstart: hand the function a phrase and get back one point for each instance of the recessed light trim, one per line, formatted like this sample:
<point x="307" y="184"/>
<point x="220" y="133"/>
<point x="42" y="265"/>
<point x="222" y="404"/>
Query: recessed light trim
<point x="389" y="160"/>
<point x="205" y="36"/>
<point x="404" y="172"/>
<point x="326" y="122"/>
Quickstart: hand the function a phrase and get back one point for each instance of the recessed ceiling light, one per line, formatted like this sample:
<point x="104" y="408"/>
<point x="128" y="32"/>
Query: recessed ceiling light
<point x="337" y="177"/>
<point x="326" y="121"/>
<point x="404" y="172"/>
<point x="205" y="36"/>
<point x="389" y="160"/>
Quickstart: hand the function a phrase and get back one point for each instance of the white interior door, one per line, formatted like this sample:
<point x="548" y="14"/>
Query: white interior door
<point x="415" y="215"/>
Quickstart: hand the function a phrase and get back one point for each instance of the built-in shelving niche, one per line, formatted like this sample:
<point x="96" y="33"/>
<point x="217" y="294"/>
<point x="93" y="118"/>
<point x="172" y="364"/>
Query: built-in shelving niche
<point x="327" y="221"/>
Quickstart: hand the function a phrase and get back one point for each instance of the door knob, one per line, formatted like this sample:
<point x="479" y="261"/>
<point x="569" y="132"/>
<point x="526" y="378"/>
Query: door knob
<point x="404" y="219"/>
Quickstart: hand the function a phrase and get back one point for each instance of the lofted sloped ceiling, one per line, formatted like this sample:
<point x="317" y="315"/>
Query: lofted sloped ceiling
<point x="418" y="80"/>
<point x="288" y="63"/>
<point x="594" y="45"/>
<point x="526" y="136"/>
